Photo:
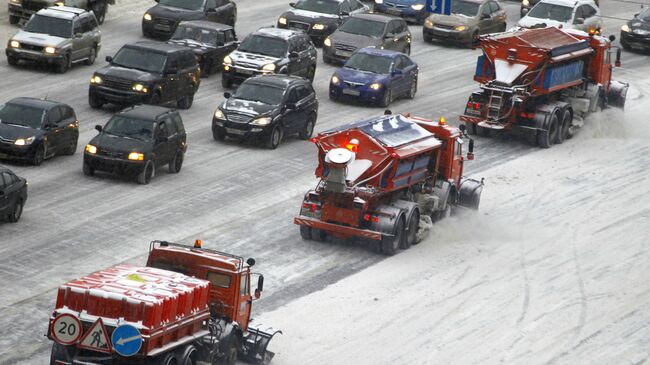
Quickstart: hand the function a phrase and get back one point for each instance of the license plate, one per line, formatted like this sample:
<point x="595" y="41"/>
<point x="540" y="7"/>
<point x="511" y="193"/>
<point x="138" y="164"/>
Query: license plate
<point x="351" y="92"/>
<point x="245" y="72"/>
<point x="162" y="27"/>
<point x="393" y="12"/>
<point x="235" y="131"/>
<point x="343" y="53"/>
<point x="473" y="112"/>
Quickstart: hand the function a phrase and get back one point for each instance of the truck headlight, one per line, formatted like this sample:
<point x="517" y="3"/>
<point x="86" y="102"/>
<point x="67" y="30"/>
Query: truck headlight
<point x="375" y="86"/>
<point x="14" y="44"/>
<point x="318" y="26"/>
<point x="460" y="28"/>
<point x="282" y="20"/>
<point x="135" y="156"/>
<point x="50" y="50"/>
<point x="327" y="42"/>
<point x="147" y="17"/>
<point x="91" y="149"/>
<point x="417" y="7"/>
<point x="96" y="80"/>
<point x="624" y="28"/>
<point x="262" y="121"/>
<point x="335" y="80"/>
<point x="140" y="88"/>
<point x="219" y="114"/>
<point x="227" y="61"/>
<point x="269" y="67"/>
<point x="428" y="23"/>
<point x="24" y="141"/>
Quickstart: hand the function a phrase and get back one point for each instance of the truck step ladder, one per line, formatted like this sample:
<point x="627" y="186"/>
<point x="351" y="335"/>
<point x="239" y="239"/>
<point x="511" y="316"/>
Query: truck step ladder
<point x="495" y="104"/>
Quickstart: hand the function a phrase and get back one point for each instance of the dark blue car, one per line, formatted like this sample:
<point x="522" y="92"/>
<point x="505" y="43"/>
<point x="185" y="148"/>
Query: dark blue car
<point x="411" y="10"/>
<point x="375" y="76"/>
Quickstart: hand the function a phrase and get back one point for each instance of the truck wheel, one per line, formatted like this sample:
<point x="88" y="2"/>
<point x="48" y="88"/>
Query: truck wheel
<point x="168" y="359"/>
<point x="482" y="131"/>
<point x="318" y="235"/>
<point x="411" y="233"/>
<point x="188" y="357"/>
<point x="565" y="124"/>
<point x="546" y="138"/>
<point x="305" y="232"/>
<point x="390" y="244"/>
<point x="176" y="163"/>
<point x="471" y="128"/>
<point x="230" y="351"/>
<point x="148" y="172"/>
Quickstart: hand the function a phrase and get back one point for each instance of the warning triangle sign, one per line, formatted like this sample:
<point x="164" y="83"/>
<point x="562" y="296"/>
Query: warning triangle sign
<point x="96" y="338"/>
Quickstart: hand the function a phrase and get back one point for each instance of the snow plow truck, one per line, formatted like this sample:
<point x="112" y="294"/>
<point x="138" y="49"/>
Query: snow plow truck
<point x="187" y="306"/>
<point x="541" y="83"/>
<point x="384" y="181"/>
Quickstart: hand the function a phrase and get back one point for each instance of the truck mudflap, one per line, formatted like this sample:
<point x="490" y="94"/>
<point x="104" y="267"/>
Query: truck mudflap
<point x="335" y="228"/>
<point x="617" y="94"/>
<point x="255" y="343"/>
<point x="469" y="194"/>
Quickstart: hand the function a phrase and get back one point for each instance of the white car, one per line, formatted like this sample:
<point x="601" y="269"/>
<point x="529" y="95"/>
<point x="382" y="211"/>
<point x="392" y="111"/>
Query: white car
<point x="567" y="14"/>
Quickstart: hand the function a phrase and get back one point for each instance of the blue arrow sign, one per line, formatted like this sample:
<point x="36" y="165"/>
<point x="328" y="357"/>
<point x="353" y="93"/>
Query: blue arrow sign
<point x="439" y="6"/>
<point x="127" y="340"/>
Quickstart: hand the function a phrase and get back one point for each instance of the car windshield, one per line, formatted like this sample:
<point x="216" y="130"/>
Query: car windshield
<point x="645" y="15"/>
<point x="183" y="4"/>
<point x="369" y="28"/>
<point x="200" y="35"/>
<point x="558" y="13"/>
<point x="140" y="59"/>
<point x="130" y="128"/>
<point x="266" y="94"/>
<point x="466" y="8"/>
<point x="267" y="46"/>
<point x="23" y="115"/>
<point x="319" y="6"/>
<point x="48" y="25"/>
<point x="371" y="63"/>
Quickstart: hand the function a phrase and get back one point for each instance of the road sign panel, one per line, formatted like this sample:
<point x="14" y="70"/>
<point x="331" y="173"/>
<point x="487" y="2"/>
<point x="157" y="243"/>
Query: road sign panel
<point x="96" y="338"/>
<point x="127" y="340"/>
<point x="439" y="6"/>
<point x="66" y="329"/>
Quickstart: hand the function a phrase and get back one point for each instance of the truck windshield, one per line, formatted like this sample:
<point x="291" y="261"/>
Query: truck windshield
<point x="130" y="128"/>
<point x="464" y="8"/>
<point x="140" y="59"/>
<point x="558" y="13"/>
<point x="267" y="46"/>
<point x="371" y="63"/>
<point x="206" y="36"/>
<point x="184" y="4"/>
<point x="369" y="28"/>
<point x="319" y="6"/>
<point x="261" y="93"/>
<point x="48" y="25"/>
<point x="22" y="115"/>
<point x="394" y="131"/>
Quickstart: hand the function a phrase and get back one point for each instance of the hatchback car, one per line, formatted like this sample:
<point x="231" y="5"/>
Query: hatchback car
<point x="13" y="195"/>
<point x="137" y="142"/>
<point x="209" y="41"/>
<point x="35" y="129"/>
<point x="568" y="14"/>
<point x="319" y="18"/>
<point x="636" y="33"/>
<point x="366" y="30"/>
<point x="270" y="51"/>
<point x="58" y="36"/>
<point x="161" y="20"/>
<point x="468" y="20"/>
<point x="146" y="72"/>
<point x="375" y="76"/>
<point x="411" y="10"/>
<point x="266" y="109"/>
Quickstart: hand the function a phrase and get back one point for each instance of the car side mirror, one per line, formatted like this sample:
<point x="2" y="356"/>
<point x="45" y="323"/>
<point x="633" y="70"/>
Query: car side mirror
<point x="293" y="55"/>
<point x="78" y="35"/>
<point x="157" y="1"/>
<point x="109" y="59"/>
<point x="210" y="10"/>
<point x="163" y="139"/>
<point x="636" y="15"/>
<point x="485" y="16"/>
<point x="389" y="36"/>
<point x="579" y="21"/>
<point x="344" y="13"/>
<point x="227" y="95"/>
<point x="397" y="72"/>
<point x="99" y="128"/>
<point x="293" y="5"/>
<point x="290" y="106"/>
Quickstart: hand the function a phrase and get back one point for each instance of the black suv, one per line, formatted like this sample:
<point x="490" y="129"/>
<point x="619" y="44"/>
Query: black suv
<point x="161" y="20"/>
<point x="147" y="72"/>
<point x="35" y="129"/>
<point x="266" y="108"/>
<point x="137" y="142"/>
<point x="209" y="41"/>
<point x="13" y="195"/>
<point x="269" y="51"/>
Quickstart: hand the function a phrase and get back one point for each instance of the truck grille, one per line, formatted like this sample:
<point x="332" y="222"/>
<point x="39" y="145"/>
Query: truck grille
<point x="298" y="25"/>
<point x="345" y="47"/>
<point x="118" y="84"/>
<point x="31" y="47"/>
<point x="239" y="118"/>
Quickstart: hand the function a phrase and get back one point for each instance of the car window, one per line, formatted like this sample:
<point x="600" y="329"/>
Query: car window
<point x="66" y="113"/>
<point x="355" y="5"/>
<point x="187" y="60"/>
<point x="400" y="26"/>
<point x="486" y="9"/>
<point x="229" y="36"/>
<point x="301" y="44"/>
<point x="293" y="96"/>
<point x="54" y="115"/>
<point x="345" y="6"/>
<point x="589" y="11"/>
<point x="494" y="7"/>
<point x="406" y="62"/>
<point x="221" y="3"/>
<point x="48" y="25"/>
<point x="302" y="92"/>
<point x="78" y="27"/>
<point x="179" y="123"/>
<point x="211" y="4"/>
<point x="169" y="126"/>
<point x="4" y="180"/>
<point x="93" y="22"/>
<point x="579" y="14"/>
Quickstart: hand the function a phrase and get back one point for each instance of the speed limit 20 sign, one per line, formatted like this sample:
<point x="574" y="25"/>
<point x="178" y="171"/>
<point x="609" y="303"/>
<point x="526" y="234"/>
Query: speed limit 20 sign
<point x="66" y="329"/>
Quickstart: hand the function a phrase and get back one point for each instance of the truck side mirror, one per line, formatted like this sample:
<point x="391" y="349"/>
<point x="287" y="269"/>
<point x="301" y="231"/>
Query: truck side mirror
<point x="612" y="38"/>
<point x="251" y="262"/>
<point x="470" y="152"/>
<point x="462" y="128"/>
<point x="213" y="311"/>
<point x="617" y="63"/>
<point x="260" y="287"/>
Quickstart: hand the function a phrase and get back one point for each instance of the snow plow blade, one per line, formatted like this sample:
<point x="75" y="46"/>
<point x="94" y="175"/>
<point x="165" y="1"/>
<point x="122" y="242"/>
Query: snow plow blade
<point x="255" y="343"/>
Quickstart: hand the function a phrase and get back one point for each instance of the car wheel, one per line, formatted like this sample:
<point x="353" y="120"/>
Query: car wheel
<point x="155" y="98"/>
<point x="427" y="38"/>
<point x="625" y="45"/>
<point x="95" y="102"/>
<point x="186" y="102"/>
<point x="88" y="171"/>
<point x="503" y="28"/>
<point x="311" y="73"/>
<point x="386" y="100"/>
<point x="148" y="172"/>
<point x="275" y="137"/>
<point x="64" y="65"/>
<point x="15" y="214"/>
<point x="471" y="128"/>
<point x="92" y="56"/>
<point x="13" y="19"/>
<point x="307" y="132"/>
<point x="226" y="82"/>
<point x="72" y="146"/>
<point x="218" y="134"/>
<point x="474" y="39"/>
<point x="39" y="155"/>
<point x="414" y="89"/>
<point x="12" y="60"/>
<point x="99" y="8"/>
<point x="176" y="164"/>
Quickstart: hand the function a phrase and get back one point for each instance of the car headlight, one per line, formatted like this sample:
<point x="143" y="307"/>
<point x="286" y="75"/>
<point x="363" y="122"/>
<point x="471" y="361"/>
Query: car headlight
<point x="24" y="141"/>
<point x="262" y="121"/>
<point x="50" y="50"/>
<point x="417" y="7"/>
<point x="147" y="17"/>
<point x="318" y="26"/>
<point x="14" y="44"/>
<point x="282" y="20"/>
<point x="227" y="60"/>
<point x="460" y="28"/>
<point x="335" y="80"/>
<point x="96" y="80"/>
<point x="140" y="88"/>
<point x="624" y="28"/>
<point x="327" y="42"/>
<point x="428" y="23"/>
<point x="135" y="156"/>
<point x="379" y="1"/>
<point x="15" y="2"/>
<point x="375" y="86"/>
<point x="219" y="114"/>
<point x="59" y="3"/>
<point x="525" y="2"/>
<point x="91" y="149"/>
<point x="269" y="67"/>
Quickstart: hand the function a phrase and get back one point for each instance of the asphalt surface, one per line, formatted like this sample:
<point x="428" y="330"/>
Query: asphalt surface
<point x="236" y="197"/>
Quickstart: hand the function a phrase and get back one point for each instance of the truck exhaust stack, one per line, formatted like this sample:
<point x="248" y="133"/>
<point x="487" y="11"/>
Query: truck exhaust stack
<point x="337" y="160"/>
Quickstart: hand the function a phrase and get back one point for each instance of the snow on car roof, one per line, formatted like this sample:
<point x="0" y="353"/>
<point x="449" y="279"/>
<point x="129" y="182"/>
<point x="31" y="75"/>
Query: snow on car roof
<point x="277" y="32"/>
<point x="63" y="12"/>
